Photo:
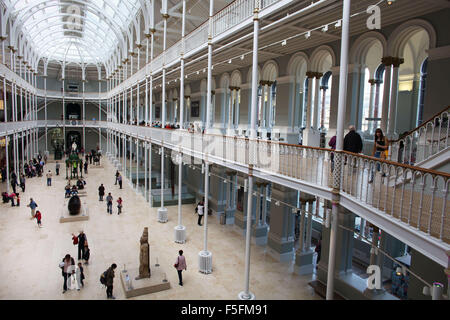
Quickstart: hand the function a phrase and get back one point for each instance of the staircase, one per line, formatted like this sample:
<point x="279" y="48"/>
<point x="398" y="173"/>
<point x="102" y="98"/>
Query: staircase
<point x="426" y="146"/>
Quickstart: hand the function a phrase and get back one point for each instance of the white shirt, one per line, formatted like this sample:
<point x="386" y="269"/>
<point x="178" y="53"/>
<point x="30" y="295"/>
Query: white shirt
<point x="200" y="210"/>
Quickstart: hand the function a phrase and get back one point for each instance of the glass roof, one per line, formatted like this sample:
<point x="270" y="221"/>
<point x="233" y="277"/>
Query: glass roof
<point x="82" y="31"/>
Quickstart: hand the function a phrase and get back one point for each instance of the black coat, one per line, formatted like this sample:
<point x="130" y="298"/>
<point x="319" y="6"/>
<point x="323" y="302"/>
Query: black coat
<point x="81" y="240"/>
<point x="101" y="191"/>
<point x="353" y="142"/>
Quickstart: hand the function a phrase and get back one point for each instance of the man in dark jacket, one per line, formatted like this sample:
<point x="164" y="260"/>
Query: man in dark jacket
<point x="101" y="192"/>
<point x="81" y="241"/>
<point x="110" y="281"/>
<point x="352" y="141"/>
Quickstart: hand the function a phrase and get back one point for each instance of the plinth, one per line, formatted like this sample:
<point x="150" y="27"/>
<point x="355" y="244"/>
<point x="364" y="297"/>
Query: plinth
<point x="67" y="217"/>
<point x="157" y="282"/>
<point x="243" y="296"/>
<point x="205" y="261"/>
<point x="162" y="215"/>
<point x="180" y="234"/>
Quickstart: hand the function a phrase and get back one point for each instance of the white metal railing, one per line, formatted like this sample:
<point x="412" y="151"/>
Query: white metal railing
<point x="7" y="128"/>
<point x="413" y="195"/>
<point x="424" y="142"/>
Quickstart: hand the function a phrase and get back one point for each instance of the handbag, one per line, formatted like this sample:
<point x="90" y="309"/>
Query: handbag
<point x="176" y="264"/>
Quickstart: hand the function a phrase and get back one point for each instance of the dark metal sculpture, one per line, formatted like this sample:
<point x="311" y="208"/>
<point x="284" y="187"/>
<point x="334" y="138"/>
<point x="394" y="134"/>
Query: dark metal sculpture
<point x="74" y="205"/>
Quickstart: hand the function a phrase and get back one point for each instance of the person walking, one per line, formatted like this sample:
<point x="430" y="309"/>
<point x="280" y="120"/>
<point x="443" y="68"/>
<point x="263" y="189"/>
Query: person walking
<point x="80" y="275"/>
<point x="85" y="168"/>
<point x="109" y="200"/>
<point x="200" y="212"/>
<point x="32" y="205"/>
<point x="82" y="239"/>
<point x="87" y="253"/>
<point x="49" y="178"/>
<point x="180" y="264"/>
<point x="22" y="182"/>
<point x="119" y="205"/>
<point x="119" y="178"/>
<point x="18" y="199"/>
<point x="101" y="192"/>
<point x="67" y="261"/>
<point x="110" y="281"/>
<point x="57" y="166"/>
<point x="12" y="196"/>
<point x="38" y="217"/>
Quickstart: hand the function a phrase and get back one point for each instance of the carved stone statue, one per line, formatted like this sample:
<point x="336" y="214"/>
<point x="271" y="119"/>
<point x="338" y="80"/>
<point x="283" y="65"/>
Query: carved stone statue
<point x="144" y="257"/>
<point x="74" y="147"/>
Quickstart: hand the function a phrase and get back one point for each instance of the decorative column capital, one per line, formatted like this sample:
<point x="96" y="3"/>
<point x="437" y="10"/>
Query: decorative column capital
<point x="396" y="62"/>
<point x="310" y="74"/>
<point x="387" y="61"/>
<point x="372" y="81"/>
<point x="234" y="88"/>
<point x="318" y="75"/>
<point x="165" y="16"/>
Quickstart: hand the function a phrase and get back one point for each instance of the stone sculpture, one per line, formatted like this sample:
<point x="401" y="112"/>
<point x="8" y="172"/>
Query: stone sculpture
<point x="144" y="257"/>
<point x="74" y="205"/>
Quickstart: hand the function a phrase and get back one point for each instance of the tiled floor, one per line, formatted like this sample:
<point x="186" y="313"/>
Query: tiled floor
<point x="30" y="256"/>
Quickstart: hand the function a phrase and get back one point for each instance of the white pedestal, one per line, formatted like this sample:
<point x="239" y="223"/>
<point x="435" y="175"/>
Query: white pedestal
<point x="162" y="215"/>
<point x="205" y="262"/>
<point x="180" y="234"/>
<point x="243" y="296"/>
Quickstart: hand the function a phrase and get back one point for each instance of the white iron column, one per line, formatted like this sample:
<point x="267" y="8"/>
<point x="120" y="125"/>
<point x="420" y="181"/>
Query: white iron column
<point x="317" y="75"/>
<point x="339" y="145"/>
<point x="163" y="111"/>
<point x="150" y="199"/>
<point x="131" y="105"/>
<point x="301" y="242"/>
<point x="387" y="61"/>
<point x="180" y="230"/>
<point x="371" y="103"/>
<point x="145" y="150"/>
<point x="131" y="159"/>
<point x="309" y="113"/>
<point x="45" y="112"/>
<point x="254" y="105"/>
<point x="246" y="294"/>
<point x="137" y="165"/>
<point x="209" y="81"/>
<point x="183" y="25"/>
<point x="5" y="110"/>
<point x="138" y="107"/>
<point x="64" y="113"/>
<point x="100" y="114"/>
<point x="309" y="224"/>
<point x="146" y="99"/>
<point x="205" y="256"/>
<point x="84" y="116"/>
<point x="14" y="152"/>
<point x="23" y="153"/>
<point x="392" y="134"/>
<point x="162" y="212"/>
<point x="7" y="163"/>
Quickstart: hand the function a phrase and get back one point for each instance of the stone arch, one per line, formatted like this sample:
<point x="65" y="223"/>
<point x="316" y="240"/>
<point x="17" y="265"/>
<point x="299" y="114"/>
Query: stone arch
<point x="398" y="39"/>
<point x="270" y="71"/>
<point x="322" y="59"/>
<point x="225" y="81"/>
<point x="249" y="75"/>
<point x="368" y="50"/>
<point x="236" y="78"/>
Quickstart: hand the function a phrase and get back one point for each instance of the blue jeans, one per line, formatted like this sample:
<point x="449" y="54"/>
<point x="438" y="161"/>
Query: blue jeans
<point x="109" y="207"/>
<point x="49" y="181"/>
<point x="377" y="155"/>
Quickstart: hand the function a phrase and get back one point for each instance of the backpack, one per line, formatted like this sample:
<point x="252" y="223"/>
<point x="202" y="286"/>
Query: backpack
<point x="103" y="278"/>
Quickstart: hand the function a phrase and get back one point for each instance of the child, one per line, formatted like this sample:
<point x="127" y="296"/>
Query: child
<point x="87" y="253"/>
<point x="119" y="205"/>
<point x="38" y="218"/>
<point x="80" y="276"/>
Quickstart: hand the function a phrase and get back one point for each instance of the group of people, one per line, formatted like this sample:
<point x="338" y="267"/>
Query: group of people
<point x="72" y="190"/>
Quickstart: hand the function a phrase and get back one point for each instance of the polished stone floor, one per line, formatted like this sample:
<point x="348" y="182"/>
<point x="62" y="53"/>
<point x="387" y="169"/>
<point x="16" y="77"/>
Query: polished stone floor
<point x="30" y="255"/>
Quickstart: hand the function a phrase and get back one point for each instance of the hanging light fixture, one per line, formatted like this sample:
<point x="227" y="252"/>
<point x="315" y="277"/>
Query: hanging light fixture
<point x="308" y="35"/>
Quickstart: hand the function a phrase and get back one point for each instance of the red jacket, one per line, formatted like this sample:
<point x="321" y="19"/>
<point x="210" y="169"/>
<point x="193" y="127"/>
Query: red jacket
<point x="38" y="216"/>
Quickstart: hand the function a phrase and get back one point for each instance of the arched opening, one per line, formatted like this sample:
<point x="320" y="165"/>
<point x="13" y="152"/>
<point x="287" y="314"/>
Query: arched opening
<point x="423" y="85"/>
<point x="73" y="111"/>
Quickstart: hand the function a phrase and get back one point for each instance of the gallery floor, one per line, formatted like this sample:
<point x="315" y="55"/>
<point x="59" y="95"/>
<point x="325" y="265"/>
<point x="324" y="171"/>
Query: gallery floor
<point x="30" y="255"/>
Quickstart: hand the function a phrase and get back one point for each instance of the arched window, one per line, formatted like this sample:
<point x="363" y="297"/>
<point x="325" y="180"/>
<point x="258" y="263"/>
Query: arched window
<point x="325" y="86"/>
<point x="305" y="103"/>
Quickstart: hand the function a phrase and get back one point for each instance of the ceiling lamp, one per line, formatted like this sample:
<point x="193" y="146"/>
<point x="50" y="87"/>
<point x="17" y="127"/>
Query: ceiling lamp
<point x="308" y="35"/>
<point x="389" y="2"/>
<point x="338" y="24"/>
<point x="325" y="28"/>
<point x="283" y="43"/>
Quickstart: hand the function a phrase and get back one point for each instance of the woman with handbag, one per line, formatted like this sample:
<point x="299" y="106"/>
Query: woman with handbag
<point x="180" y="264"/>
<point x="380" y="149"/>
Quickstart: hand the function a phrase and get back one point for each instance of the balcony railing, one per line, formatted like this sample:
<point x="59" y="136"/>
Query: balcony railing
<point x="423" y="142"/>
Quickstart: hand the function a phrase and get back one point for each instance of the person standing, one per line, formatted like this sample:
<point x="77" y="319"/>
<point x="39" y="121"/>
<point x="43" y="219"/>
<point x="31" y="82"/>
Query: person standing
<point x="85" y="168"/>
<point x="110" y="281"/>
<point x="82" y="239"/>
<point x="38" y="217"/>
<point x="332" y="144"/>
<point x="180" y="264"/>
<point x="32" y="205"/>
<point x="87" y="253"/>
<point x="381" y="145"/>
<point x="13" y="181"/>
<point x="57" y="168"/>
<point x="109" y="200"/>
<point x="49" y="178"/>
<point x="101" y="192"/>
<point x="200" y="212"/>
<point x="22" y="182"/>
<point x="67" y="261"/>
<point x="12" y="196"/>
<point x="352" y="141"/>
<point x="119" y="178"/>
<point x="119" y="205"/>
<point x="18" y="199"/>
